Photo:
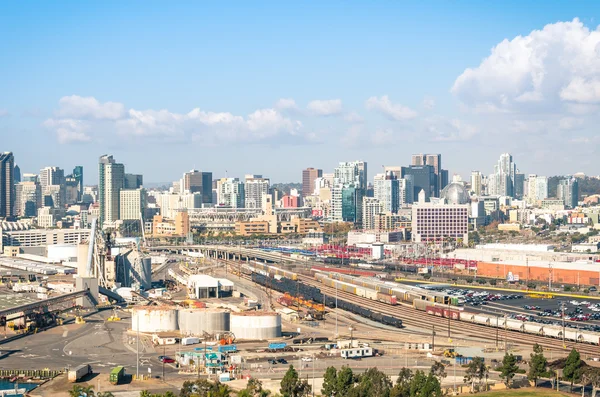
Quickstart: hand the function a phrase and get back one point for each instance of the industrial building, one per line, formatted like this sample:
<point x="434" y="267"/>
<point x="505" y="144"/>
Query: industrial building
<point x="205" y="286"/>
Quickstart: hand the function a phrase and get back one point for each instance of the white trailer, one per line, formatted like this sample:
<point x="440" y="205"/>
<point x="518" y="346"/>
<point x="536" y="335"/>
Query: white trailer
<point x="357" y="352"/>
<point x="190" y="341"/>
<point x="78" y="372"/>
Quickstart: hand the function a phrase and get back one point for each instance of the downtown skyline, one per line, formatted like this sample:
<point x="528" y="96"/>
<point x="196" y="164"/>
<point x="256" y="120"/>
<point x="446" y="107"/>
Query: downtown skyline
<point x="303" y="98"/>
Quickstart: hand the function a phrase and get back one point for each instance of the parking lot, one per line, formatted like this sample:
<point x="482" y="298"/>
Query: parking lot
<point x="578" y="313"/>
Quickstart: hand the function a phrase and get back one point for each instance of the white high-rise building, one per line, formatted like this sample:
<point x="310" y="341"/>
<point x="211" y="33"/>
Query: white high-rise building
<point x="133" y="203"/>
<point x="230" y="192"/>
<point x="371" y="207"/>
<point x="255" y="188"/>
<point x="51" y="176"/>
<point x="336" y="203"/>
<point x="568" y="192"/>
<point x="502" y="181"/>
<point x="405" y="191"/>
<point x="351" y="173"/>
<point x="476" y="179"/>
<point x="386" y="189"/>
<point x="28" y="198"/>
<point x="537" y="188"/>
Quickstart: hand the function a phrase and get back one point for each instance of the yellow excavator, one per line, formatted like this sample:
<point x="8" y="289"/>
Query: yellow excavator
<point x="451" y="353"/>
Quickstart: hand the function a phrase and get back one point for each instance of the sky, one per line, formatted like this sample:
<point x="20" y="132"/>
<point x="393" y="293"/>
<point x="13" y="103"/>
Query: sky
<point x="274" y="87"/>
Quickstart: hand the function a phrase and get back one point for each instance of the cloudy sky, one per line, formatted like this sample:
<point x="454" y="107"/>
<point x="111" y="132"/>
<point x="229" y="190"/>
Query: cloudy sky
<point x="274" y="87"/>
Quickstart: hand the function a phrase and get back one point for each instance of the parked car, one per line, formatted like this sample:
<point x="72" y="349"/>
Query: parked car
<point x="282" y="361"/>
<point x="167" y="360"/>
<point x="307" y="358"/>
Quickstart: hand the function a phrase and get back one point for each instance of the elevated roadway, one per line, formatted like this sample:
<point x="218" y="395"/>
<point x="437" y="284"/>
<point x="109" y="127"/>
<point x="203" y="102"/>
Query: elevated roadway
<point x="44" y="303"/>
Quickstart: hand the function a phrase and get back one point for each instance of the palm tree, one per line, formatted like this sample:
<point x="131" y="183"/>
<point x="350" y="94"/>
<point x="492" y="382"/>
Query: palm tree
<point x="81" y="391"/>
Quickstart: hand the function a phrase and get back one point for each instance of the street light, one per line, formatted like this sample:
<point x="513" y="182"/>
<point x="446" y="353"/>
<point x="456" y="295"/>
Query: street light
<point x="351" y="335"/>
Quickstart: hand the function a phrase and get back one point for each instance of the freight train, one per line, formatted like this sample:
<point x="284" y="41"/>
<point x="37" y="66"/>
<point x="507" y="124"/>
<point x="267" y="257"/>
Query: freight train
<point x="403" y="293"/>
<point x="295" y="288"/>
<point x="273" y="271"/>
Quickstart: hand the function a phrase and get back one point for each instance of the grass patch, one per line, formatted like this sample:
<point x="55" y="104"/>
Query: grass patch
<point x="528" y="392"/>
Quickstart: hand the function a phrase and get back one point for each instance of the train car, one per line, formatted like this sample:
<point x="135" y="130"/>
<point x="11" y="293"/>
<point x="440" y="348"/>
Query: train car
<point x="420" y="304"/>
<point x="389" y="299"/>
<point x="515" y="325"/>
<point x="589" y="337"/>
<point x="533" y="328"/>
<point x="482" y="319"/>
<point x="467" y="316"/>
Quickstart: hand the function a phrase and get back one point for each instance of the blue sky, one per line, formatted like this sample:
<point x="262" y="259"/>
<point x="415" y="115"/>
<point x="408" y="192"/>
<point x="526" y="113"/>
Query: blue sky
<point x="275" y="87"/>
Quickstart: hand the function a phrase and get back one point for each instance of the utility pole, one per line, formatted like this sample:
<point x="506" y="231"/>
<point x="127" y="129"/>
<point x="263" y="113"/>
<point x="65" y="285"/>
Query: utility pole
<point x="505" y="336"/>
<point x="137" y="361"/>
<point x="497" y="330"/>
<point x="163" y="362"/>
<point x="562" y="306"/>
<point x="433" y="339"/>
<point x="336" y="310"/>
<point x="449" y="314"/>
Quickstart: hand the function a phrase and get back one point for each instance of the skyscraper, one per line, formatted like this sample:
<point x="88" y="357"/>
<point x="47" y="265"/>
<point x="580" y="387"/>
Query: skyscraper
<point x="434" y="160"/>
<point x="387" y="191"/>
<point x="7" y="185"/>
<point x="111" y="180"/>
<point x="230" y="192"/>
<point x="17" y="175"/>
<point x="476" y="182"/>
<point x="28" y="198"/>
<point x="351" y="173"/>
<point x="255" y="188"/>
<point x="78" y="175"/>
<point x="51" y="176"/>
<point x="568" y="191"/>
<point x="537" y="188"/>
<point x="198" y="182"/>
<point x="309" y="176"/>
<point x="423" y="178"/>
<point x="502" y="181"/>
<point x="519" y="189"/>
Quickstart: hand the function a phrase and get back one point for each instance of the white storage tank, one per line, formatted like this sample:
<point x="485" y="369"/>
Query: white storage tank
<point x="256" y="325"/>
<point x="154" y="319"/>
<point x="194" y="322"/>
<point x="63" y="252"/>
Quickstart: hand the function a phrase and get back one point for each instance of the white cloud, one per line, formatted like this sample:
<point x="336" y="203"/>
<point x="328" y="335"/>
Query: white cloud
<point x="77" y="107"/>
<point x="354" y="118"/>
<point x="69" y="130"/>
<point x="453" y="130"/>
<point x="569" y="123"/>
<point x="428" y="103"/>
<point x="547" y="70"/>
<point x="328" y="107"/>
<point x="286" y="104"/>
<point x="197" y="125"/>
<point x="391" y="110"/>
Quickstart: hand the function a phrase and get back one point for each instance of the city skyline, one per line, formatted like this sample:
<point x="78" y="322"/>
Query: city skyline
<point x="304" y="96"/>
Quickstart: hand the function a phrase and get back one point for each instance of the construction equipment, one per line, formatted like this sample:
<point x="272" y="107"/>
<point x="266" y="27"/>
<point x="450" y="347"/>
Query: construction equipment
<point x="451" y="353"/>
<point x="78" y="317"/>
<point x="114" y="316"/>
<point x="540" y="296"/>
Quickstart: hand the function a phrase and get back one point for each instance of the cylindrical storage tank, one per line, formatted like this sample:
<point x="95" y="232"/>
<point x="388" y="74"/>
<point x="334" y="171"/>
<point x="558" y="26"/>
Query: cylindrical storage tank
<point x="154" y="319"/>
<point x="256" y="325"/>
<point x="194" y="322"/>
<point x="63" y="252"/>
<point x="146" y="276"/>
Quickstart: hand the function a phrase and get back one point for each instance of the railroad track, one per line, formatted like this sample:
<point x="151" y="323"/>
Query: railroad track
<point x="420" y="319"/>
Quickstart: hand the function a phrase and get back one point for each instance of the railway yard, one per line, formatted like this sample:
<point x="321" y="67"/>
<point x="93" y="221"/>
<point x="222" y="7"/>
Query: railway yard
<point x="256" y="315"/>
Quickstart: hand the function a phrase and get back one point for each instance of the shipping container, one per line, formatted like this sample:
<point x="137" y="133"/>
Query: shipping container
<point x="277" y="346"/>
<point x="116" y="375"/>
<point x="79" y="372"/>
<point x="227" y="348"/>
<point x="421" y="304"/>
<point x="389" y="299"/>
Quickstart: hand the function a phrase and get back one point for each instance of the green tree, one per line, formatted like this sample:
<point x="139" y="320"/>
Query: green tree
<point x="372" y="383"/>
<point x="508" y="369"/>
<point x="476" y="371"/>
<point x="571" y="372"/>
<point x="292" y="386"/>
<point x="438" y="370"/>
<point x="197" y="388"/>
<point x="104" y="394"/>
<point x="329" y="382"/>
<point x="254" y="388"/>
<point x="345" y="381"/>
<point x="82" y="391"/>
<point x="402" y="386"/>
<point x="537" y="364"/>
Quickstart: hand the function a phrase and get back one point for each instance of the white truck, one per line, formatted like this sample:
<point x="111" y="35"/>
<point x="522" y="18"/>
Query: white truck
<point x="190" y="341"/>
<point x="78" y="372"/>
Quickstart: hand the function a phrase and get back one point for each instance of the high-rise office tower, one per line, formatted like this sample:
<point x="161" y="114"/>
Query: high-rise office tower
<point x="78" y="175"/>
<point x="230" y="192"/>
<point x="568" y="192"/>
<point x="371" y="207"/>
<point x="7" y="185"/>
<point x="351" y="173"/>
<point x="387" y="191"/>
<point x="309" y="176"/>
<point x="255" y="187"/>
<point x="434" y="160"/>
<point x="405" y="191"/>
<point x="132" y="204"/>
<point x="476" y="179"/>
<point x="133" y="181"/>
<point x="519" y="189"/>
<point x="51" y="176"/>
<point x="198" y="182"/>
<point x="423" y="178"/>
<point x="111" y="180"/>
<point x="17" y="174"/>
